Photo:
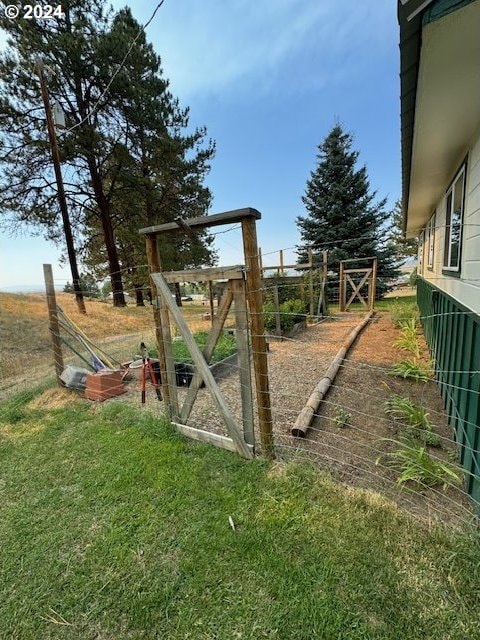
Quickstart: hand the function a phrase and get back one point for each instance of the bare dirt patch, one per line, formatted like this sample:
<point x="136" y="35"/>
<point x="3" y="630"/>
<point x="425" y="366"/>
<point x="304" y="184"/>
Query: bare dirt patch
<point x="355" y="454"/>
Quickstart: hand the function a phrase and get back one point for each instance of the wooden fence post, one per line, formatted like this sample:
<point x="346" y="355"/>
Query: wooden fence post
<point x="276" y="302"/>
<point x="341" y="288"/>
<point x="210" y="298"/>
<point x="254" y="297"/>
<point x="53" y="321"/>
<point x="168" y="376"/>
<point x="241" y="335"/>
<point x="373" y="289"/>
<point x="310" y="280"/>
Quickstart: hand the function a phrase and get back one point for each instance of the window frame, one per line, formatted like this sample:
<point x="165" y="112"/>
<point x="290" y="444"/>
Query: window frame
<point x="431" y="242"/>
<point x="421" y="251"/>
<point x="448" y="269"/>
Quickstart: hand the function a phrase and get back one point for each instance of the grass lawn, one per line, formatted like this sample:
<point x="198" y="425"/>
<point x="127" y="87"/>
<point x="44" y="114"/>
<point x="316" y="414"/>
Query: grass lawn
<point x="112" y="526"/>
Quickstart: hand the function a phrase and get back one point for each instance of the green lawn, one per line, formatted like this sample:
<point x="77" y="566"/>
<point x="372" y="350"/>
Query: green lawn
<point x="112" y="526"/>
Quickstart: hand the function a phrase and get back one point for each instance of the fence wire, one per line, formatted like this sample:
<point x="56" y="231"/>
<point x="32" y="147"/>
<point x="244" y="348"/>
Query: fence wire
<point x="353" y="435"/>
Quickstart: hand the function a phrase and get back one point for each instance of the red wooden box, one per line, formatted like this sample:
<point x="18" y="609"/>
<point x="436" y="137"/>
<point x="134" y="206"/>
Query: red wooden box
<point x="104" y="385"/>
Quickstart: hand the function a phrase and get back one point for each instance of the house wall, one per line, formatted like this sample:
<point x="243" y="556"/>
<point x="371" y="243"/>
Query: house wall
<point x="464" y="287"/>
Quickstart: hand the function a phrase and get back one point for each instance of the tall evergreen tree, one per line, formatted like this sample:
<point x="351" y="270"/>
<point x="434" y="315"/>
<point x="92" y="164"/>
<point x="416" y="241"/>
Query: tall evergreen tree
<point x="121" y="116"/>
<point x="404" y="248"/>
<point x="343" y="215"/>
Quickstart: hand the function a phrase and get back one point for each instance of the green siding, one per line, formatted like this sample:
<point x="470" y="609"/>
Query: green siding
<point x="452" y="333"/>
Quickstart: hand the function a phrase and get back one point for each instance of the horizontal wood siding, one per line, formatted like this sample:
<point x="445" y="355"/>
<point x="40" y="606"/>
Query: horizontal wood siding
<point x="452" y="333"/>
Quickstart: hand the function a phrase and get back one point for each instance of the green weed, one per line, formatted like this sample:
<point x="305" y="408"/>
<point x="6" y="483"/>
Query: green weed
<point x="342" y="417"/>
<point x="416" y="465"/>
<point x="408" y="338"/>
<point x="410" y="369"/>
<point x="402" y="313"/>
<point x="226" y="346"/>
<point x="416" y="418"/>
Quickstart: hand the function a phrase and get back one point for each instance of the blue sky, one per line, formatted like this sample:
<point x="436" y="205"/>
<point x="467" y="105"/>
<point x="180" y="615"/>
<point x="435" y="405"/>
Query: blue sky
<point x="268" y="79"/>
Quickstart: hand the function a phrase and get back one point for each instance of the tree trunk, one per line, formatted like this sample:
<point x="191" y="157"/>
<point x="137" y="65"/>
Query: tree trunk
<point x="112" y="253"/>
<point x="139" y="295"/>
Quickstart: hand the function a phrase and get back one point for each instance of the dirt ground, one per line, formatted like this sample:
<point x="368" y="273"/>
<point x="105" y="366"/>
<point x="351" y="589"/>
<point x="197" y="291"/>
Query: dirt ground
<point x="355" y="454"/>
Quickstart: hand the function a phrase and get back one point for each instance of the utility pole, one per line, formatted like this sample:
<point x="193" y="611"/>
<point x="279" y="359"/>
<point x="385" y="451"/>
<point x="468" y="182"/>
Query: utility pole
<point x="52" y="135"/>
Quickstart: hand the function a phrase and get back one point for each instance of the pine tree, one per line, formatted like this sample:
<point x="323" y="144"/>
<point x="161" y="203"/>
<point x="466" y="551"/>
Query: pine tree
<point x="404" y="248"/>
<point x="343" y="215"/>
<point x="127" y="132"/>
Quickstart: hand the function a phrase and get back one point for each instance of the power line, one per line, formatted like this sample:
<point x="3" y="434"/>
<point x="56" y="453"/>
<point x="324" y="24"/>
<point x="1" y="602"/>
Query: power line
<point x="117" y="71"/>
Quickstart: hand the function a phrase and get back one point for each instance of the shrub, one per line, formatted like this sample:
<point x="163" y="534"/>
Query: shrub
<point x="291" y="311"/>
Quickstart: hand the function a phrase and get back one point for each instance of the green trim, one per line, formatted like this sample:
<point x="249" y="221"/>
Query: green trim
<point x="452" y="332"/>
<point x="442" y="8"/>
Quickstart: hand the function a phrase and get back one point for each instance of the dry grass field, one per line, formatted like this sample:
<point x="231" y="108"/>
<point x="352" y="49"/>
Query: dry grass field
<point x="25" y="341"/>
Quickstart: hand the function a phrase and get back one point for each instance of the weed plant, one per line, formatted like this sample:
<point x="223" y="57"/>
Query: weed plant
<point x="416" y="418"/>
<point x="416" y="465"/>
<point x="226" y="346"/>
<point x="408" y="338"/>
<point x="342" y="417"/>
<point x="410" y="369"/>
<point x="403" y="312"/>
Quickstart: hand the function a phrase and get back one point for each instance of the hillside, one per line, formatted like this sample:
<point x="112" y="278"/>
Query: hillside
<point x="24" y="326"/>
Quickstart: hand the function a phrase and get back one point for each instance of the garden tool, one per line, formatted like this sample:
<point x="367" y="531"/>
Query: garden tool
<point x="147" y="365"/>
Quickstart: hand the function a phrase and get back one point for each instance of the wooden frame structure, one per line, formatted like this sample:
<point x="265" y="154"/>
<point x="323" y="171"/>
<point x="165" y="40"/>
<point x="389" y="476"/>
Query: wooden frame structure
<point x="281" y="278"/>
<point x="368" y="277"/>
<point x="244" y="288"/>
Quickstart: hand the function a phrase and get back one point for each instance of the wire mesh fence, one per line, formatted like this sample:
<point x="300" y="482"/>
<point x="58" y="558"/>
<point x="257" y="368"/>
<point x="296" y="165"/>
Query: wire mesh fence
<point x="375" y="430"/>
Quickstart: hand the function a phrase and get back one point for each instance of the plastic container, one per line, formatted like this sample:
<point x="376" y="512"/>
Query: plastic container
<point x="74" y="377"/>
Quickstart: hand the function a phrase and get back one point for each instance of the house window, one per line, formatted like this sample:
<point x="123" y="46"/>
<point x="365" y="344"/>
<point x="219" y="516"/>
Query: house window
<point x="430" y="241"/>
<point x="453" y="228"/>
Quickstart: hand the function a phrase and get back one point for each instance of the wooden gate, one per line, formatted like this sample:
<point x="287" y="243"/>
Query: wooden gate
<point x="244" y="289"/>
<point x="368" y="276"/>
<point x="240" y="440"/>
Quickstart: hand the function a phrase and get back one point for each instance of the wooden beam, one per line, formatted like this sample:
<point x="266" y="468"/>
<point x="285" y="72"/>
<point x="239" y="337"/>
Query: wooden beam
<point x="206" y="436"/>
<point x="204" y="275"/>
<point x="308" y="412"/>
<point x="341" y="288"/>
<point x="212" y="339"/>
<point x="211" y="302"/>
<point x="357" y="270"/>
<point x="373" y="289"/>
<point x="357" y="259"/>
<point x="276" y="304"/>
<point x="203" y="222"/>
<point x="259" y="344"/>
<point x="241" y="335"/>
<point x="310" y="281"/>
<point x="279" y="267"/>
<point x="169" y="390"/>
<point x="53" y="321"/>
<point x="202" y="367"/>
